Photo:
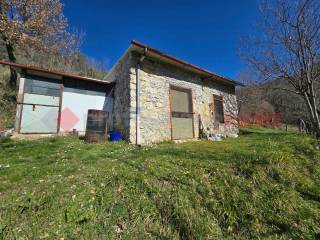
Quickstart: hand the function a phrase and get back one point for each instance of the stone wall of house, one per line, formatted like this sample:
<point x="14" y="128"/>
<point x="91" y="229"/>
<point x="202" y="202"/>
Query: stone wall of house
<point x="156" y="78"/>
<point x="121" y="74"/>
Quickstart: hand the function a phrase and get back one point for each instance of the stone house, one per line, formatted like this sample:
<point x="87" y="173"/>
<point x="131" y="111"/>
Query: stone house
<point x="158" y="97"/>
<point x="150" y="97"/>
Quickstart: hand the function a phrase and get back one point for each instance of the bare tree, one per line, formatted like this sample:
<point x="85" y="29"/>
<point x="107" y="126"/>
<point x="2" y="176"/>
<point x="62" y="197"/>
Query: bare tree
<point x="288" y="48"/>
<point x="249" y="94"/>
<point x="36" y="24"/>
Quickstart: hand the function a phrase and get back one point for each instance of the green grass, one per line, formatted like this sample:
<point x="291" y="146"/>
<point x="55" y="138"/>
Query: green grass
<point x="263" y="185"/>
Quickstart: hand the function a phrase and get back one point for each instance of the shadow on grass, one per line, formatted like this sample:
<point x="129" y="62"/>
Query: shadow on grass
<point x="245" y="132"/>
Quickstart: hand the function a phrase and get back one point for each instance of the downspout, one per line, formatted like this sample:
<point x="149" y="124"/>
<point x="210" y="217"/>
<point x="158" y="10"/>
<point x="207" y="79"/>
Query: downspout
<point x="138" y="67"/>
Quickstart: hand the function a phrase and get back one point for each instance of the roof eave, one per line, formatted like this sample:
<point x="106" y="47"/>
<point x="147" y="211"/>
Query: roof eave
<point x="53" y="72"/>
<point x="208" y="74"/>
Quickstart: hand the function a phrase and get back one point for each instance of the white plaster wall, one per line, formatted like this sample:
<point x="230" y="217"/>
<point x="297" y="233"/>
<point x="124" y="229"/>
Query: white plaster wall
<point x="80" y="103"/>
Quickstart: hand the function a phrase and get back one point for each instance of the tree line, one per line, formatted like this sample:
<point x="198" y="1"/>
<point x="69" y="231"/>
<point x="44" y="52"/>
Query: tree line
<point x="285" y="55"/>
<point x="35" y="32"/>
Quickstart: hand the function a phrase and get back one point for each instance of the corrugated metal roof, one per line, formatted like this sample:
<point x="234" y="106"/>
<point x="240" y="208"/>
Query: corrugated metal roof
<point x="50" y="71"/>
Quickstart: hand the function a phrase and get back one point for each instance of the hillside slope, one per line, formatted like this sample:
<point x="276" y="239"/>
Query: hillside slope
<point x="290" y="106"/>
<point x="265" y="184"/>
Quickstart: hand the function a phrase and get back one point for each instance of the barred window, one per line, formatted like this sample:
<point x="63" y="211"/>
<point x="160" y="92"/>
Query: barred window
<point x="218" y="109"/>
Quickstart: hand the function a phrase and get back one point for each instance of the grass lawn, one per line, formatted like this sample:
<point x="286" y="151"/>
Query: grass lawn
<point x="265" y="184"/>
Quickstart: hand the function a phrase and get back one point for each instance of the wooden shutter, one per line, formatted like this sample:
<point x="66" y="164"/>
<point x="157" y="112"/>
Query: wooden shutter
<point x="218" y="109"/>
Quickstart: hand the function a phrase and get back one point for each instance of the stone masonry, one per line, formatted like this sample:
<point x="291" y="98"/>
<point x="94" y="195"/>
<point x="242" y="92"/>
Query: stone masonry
<point x="156" y="78"/>
<point x="121" y="104"/>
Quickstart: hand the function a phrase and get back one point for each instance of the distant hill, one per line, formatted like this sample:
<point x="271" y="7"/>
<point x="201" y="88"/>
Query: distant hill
<point x="77" y="63"/>
<point x="290" y="106"/>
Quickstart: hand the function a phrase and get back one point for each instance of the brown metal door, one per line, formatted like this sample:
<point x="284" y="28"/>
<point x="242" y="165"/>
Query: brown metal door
<point x="181" y="113"/>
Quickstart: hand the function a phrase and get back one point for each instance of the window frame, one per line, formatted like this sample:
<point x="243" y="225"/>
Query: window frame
<point x="218" y="117"/>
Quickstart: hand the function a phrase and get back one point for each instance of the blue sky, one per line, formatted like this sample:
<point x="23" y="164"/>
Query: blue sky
<point x="204" y="32"/>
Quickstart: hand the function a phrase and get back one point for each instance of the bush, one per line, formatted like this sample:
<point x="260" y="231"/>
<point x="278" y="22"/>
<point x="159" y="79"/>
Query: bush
<point x="7" y="101"/>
